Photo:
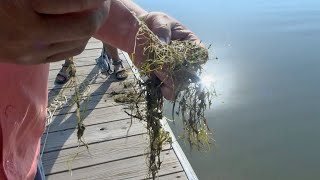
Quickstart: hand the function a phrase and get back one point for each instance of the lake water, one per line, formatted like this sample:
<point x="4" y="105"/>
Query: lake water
<point x="266" y="118"/>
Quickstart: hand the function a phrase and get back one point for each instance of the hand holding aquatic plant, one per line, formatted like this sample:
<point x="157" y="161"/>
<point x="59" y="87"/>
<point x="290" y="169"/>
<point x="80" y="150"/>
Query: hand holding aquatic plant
<point x="167" y="31"/>
<point x="170" y="57"/>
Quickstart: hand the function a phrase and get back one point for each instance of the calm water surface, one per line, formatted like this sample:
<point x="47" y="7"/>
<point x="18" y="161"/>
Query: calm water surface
<point x="266" y="118"/>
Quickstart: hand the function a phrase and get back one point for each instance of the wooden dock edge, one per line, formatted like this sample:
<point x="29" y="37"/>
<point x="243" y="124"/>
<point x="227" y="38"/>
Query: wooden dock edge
<point x="191" y="175"/>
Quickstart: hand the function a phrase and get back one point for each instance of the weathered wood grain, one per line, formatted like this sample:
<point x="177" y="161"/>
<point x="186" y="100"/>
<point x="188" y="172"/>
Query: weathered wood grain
<point x="132" y="168"/>
<point x="94" y="45"/>
<point x="104" y="152"/>
<point x="95" y="101"/>
<point x="93" y="40"/>
<point x="100" y="132"/>
<point x="106" y="87"/>
<point x="174" y="176"/>
<point x="95" y="116"/>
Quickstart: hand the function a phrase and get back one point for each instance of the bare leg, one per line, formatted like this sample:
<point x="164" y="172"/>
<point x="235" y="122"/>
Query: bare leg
<point x="112" y="52"/>
<point x="116" y="61"/>
<point x="67" y="62"/>
<point x="63" y="76"/>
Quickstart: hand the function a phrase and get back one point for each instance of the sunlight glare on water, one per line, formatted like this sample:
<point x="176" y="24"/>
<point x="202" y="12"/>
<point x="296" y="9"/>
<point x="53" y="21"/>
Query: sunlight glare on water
<point x="207" y="80"/>
<point x="266" y="117"/>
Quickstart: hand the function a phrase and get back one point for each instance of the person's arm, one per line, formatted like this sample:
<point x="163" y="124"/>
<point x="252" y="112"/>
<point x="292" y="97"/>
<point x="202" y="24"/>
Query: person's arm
<point x="121" y="27"/>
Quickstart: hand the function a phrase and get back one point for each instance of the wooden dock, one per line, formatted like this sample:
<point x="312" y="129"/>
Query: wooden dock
<point x="114" y="152"/>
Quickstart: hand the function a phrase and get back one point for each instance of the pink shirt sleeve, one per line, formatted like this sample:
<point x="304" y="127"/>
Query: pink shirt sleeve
<point x="23" y="102"/>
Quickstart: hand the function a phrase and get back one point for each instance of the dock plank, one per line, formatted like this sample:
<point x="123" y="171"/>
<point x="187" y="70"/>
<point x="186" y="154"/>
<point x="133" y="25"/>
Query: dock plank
<point x="94" y="45"/>
<point x="96" y="102"/>
<point x="91" y="40"/>
<point x="106" y="87"/>
<point x="174" y="176"/>
<point x="101" y="132"/>
<point x="132" y="168"/>
<point x="104" y="152"/>
<point x="95" y="116"/>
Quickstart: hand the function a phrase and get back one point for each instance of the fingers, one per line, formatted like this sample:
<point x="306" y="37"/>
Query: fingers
<point x="168" y="86"/>
<point x="163" y="33"/>
<point x="165" y="78"/>
<point x="181" y="33"/>
<point x="167" y="92"/>
<point x="160" y="25"/>
<point x="61" y="28"/>
<point x="65" y="6"/>
<point x="168" y="28"/>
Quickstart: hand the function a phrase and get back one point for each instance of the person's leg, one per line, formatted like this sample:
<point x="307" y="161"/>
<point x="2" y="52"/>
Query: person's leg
<point x="119" y="70"/>
<point x="64" y="75"/>
<point x="104" y="62"/>
<point x="112" y="52"/>
<point x="68" y="61"/>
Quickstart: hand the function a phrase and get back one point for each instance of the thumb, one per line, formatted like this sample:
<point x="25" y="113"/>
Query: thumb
<point x="160" y="26"/>
<point x="164" y="40"/>
<point x="163" y="32"/>
<point x="167" y="92"/>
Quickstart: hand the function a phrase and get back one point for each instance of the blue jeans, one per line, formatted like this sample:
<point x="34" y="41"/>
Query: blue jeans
<point x="40" y="172"/>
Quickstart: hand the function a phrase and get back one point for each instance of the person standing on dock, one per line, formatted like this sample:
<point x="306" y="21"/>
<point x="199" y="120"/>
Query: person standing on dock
<point x="34" y="33"/>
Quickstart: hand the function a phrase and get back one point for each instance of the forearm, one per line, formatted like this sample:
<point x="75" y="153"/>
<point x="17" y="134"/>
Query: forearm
<point x="121" y="26"/>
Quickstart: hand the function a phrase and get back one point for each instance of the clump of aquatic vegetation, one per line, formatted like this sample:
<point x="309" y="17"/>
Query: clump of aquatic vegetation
<point x="182" y="61"/>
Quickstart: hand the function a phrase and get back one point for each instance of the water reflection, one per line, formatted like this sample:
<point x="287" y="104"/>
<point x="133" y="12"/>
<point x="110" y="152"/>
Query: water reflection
<point x="266" y="116"/>
<point x="207" y="81"/>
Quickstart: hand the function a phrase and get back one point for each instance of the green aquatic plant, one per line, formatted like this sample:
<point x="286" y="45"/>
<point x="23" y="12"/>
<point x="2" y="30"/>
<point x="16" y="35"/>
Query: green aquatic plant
<point x="182" y="62"/>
